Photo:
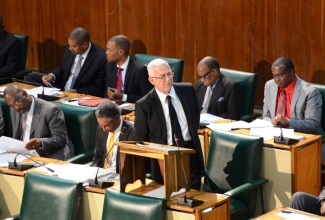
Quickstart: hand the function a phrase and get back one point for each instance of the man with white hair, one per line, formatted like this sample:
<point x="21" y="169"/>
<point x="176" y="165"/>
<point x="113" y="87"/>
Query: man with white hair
<point x="169" y="114"/>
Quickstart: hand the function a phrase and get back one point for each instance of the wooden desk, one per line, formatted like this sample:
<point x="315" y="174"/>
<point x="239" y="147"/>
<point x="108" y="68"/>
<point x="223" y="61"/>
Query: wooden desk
<point x="272" y="215"/>
<point x="289" y="168"/>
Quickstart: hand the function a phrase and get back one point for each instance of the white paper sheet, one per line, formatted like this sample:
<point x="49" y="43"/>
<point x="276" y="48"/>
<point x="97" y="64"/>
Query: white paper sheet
<point x="10" y="157"/>
<point x="14" y="145"/>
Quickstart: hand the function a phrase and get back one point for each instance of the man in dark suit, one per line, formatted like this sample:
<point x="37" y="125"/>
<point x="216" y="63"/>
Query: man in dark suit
<point x="38" y="123"/>
<point x="111" y="128"/>
<point x="126" y="79"/>
<point x="10" y="52"/>
<point x="82" y="69"/>
<point x="167" y="111"/>
<point x="217" y="94"/>
<point x="309" y="203"/>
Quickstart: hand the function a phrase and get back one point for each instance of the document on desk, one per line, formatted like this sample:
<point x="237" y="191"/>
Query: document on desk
<point x="290" y="215"/>
<point x="268" y="133"/>
<point x="14" y="145"/>
<point x="160" y="192"/>
<point x="39" y="90"/>
<point x="76" y="172"/>
<point x="209" y="118"/>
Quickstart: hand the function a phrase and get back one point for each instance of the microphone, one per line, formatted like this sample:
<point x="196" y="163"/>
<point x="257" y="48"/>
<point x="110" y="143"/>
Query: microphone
<point x="41" y="96"/>
<point x="25" y="166"/>
<point x="284" y="140"/>
<point x="190" y="202"/>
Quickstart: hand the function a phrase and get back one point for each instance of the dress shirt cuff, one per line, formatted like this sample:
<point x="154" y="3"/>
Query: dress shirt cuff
<point x="125" y="96"/>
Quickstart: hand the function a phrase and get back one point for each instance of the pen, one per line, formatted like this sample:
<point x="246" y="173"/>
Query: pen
<point x="72" y="100"/>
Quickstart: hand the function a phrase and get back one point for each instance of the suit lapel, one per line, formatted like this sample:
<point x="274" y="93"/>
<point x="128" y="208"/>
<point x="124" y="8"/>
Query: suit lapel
<point x="295" y="97"/>
<point x="86" y="64"/>
<point x="156" y="106"/>
<point x="36" y="117"/>
<point x="128" y="73"/>
<point x="217" y="91"/>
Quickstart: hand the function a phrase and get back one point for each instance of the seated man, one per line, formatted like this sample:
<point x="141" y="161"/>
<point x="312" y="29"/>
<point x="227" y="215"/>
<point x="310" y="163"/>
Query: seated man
<point x="111" y="128"/>
<point x="126" y="79"/>
<point x="290" y="101"/>
<point x="38" y="123"/>
<point x="217" y="94"/>
<point x="309" y="203"/>
<point x="82" y="69"/>
<point x="10" y="52"/>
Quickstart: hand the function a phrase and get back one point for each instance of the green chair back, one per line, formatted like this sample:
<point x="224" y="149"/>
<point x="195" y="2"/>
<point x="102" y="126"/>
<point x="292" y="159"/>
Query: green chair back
<point x="125" y="206"/>
<point x="6" y="118"/>
<point x="248" y="86"/>
<point x="233" y="161"/>
<point x="22" y="71"/>
<point x="51" y="198"/>
<point x="321" y="89"/>
<point x="176" y="65"/>
<point x="81" y="126"/>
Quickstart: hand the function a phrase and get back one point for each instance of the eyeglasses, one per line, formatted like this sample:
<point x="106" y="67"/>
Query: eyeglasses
<point x="16" y="102"/>
<point x="163" y="77"/>
<point x="202" y="77"/>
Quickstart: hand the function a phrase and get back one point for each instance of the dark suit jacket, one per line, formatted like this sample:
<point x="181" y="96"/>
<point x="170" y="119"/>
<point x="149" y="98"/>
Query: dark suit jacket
<point x="92" y="73"/>
<point x="10" y="53"/>
<point x="49" y="125"/>
<point x="101" y="148"/>
<point x="150" y="123"/>
<point x="136" y="83"/>
<point x="225" y="100"/>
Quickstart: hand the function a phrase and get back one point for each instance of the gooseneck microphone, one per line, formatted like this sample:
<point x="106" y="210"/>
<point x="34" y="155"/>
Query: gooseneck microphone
<point x="25" y="166"/>
<point x="190" y="202"/>
<point x="106" y="183"/>
<point x="41" y="96"/>
<point x="284" y="140"/>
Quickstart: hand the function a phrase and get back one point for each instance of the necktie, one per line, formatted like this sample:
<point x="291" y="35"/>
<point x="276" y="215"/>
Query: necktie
<point x="176" y="128"/>
<point x="109" y="151"/>
<point x="281" y="108"/>
<point x="119" y="79"/>
<point x="76" y="71"/>
<point x="206" y="101"/>
<point x="23" y="125"/>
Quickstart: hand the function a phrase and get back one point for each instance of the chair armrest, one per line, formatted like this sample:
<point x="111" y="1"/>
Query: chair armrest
<point x="250" y="117"/>
<point x="82" y="158"/>
<point x="246" y="187"/>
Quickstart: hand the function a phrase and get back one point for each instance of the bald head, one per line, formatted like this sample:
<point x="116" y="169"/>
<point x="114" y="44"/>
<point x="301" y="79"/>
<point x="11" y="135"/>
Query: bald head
<point x="79" y="35"/>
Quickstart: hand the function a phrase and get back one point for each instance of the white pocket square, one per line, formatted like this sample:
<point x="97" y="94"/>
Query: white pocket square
<point x="221" y="99"/>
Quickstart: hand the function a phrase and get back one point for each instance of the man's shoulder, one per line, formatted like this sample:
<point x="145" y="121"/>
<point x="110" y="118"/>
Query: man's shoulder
<point x="45" y="104"/>
<point x="10" y="38"/>
<point x="147" y="98"/>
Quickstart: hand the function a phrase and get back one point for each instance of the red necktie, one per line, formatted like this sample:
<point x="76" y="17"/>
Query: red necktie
<point x="119" y="79"/>
<point x="281" y="108"/>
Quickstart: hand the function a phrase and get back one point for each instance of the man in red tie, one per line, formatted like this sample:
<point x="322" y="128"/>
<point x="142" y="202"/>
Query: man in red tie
<point x="126" y="79"/>
<point x="290" y="101"/>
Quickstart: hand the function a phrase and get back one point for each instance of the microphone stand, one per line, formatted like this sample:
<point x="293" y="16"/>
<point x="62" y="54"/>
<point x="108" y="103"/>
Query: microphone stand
<point x="284" y="140"/>
<point x="190" y="202"/>
<point x="25" y="166"/>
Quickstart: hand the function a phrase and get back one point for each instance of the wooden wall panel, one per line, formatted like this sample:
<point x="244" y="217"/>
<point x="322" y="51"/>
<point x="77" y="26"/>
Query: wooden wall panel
<point x="245" y="35"/>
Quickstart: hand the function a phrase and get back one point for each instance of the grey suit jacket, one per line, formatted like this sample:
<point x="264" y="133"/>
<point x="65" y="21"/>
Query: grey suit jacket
<point x="305" y="110"/>
<point x="49" y="125"/>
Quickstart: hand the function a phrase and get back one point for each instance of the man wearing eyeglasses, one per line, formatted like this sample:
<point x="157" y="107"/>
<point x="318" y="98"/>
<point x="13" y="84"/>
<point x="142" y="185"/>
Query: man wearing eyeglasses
<point x="111" y="128"/>
<point x="38" y="123"/>
<point x="217" y="94"/>
<point x="126" y="79"/>
<point x="290" y="101"/>
<point x="169" y="114"/>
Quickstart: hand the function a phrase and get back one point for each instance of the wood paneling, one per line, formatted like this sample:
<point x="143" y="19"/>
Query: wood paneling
<point x="245" y="35"/>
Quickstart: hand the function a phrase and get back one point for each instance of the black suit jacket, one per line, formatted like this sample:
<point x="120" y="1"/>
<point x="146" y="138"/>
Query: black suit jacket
<point x="225" y="100"/>
<point x="101" y="148"/>
<point x="136" y="83"/>
<point x="150" y="123"/>
<point x="10" y="54"/>
<point x="92" y="73"/>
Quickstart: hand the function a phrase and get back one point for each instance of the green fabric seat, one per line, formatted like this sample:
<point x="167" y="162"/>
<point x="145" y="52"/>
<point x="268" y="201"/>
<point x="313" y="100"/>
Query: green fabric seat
<point x="50" y="198"/>
<point x="125" y="206"/>
<point x="22" y="71"/>
<point x="248" y="87"/>
<point x="177" y="65"/>
<point x="81" y="126"/>
<point x="321" y="89"/>
<point x="233" y="168"/>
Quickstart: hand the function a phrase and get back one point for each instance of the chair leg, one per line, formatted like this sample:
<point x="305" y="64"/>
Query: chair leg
<point x="262" y="199"/>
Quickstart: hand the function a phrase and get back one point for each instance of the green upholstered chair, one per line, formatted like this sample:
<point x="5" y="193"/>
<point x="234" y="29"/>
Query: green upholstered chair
<point x="233" y="168"/>
<point x="22" y="71"/>
<point x="177" y="65"/>
<point x="248" y="86"/>
<point x="125" y="206"/>
<point x="6" y="118"/>
<point x="321" y="89"/>
<point x="50" y="198"/>
<point x="81" y="125"/>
